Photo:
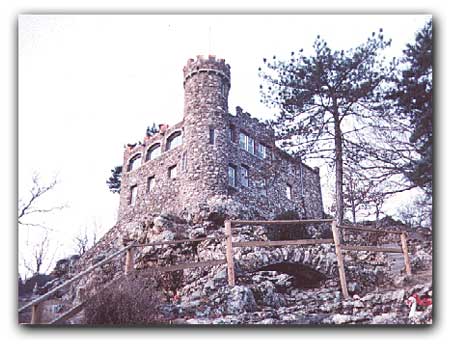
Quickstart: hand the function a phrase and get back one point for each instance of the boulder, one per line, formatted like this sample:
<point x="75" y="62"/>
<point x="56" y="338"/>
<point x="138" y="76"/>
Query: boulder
<point x="240" y="299"/>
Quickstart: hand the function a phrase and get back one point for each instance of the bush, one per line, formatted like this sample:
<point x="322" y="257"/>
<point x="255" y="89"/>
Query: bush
<point x="287" y="232"/>
<point x="135" y="300"/>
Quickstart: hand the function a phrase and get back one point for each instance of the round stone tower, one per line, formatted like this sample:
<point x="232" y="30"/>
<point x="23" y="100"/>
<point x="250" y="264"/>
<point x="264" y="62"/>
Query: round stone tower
<point x="206" y="87"/>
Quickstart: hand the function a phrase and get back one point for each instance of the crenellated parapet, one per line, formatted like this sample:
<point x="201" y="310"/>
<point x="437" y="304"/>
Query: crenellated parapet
<point x="211" y="64"/>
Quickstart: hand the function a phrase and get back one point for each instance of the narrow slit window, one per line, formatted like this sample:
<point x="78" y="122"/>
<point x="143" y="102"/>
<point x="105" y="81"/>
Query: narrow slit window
<point x="232" y="133"/>
<point x="289" y="191"/>
<point x="243" y="139"/>
<point x="133" y="195"/>
<point x="232" y="181"/>
<point x="212" y="136"/>
<point x="150" y="183"/>
<point x="264" y="187"/>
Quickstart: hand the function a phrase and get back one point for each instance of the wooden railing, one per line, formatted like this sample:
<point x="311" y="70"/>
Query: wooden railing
<point x="336" y="240"/>
<point x="37" y="304"/>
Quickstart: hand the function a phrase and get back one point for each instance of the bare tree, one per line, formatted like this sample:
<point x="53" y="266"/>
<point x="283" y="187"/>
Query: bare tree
<point x="39" y="259"/>
<point x="30" y="206"/>
<point x="86" y="238"/>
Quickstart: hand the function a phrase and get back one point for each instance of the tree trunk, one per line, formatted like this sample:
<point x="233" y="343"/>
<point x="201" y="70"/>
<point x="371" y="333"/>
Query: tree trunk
<point x="339" y="167"/>
<point x="351" y="189"/>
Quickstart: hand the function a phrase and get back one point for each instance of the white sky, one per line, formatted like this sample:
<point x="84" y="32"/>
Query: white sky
<point x="88" y="84"/>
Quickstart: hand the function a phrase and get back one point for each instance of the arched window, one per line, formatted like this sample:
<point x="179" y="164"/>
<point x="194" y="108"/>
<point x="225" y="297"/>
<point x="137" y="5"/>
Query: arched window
<point x="174" y="140"/>
<point x="134" y="162"/>
<point x="153" y="152"/>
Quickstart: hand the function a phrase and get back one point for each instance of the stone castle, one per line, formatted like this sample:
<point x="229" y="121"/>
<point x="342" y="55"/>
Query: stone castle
<point x="213" y="158"/>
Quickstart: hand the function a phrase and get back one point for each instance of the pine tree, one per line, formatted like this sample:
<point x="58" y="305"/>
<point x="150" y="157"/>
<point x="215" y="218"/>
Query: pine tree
<point x="326" y="102"/>
<point x="114" y="180"/>
<point x="413" y="94"/>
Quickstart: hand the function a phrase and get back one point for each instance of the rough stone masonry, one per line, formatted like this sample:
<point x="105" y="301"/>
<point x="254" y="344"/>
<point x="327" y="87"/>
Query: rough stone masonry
<point x="213" y="157"/>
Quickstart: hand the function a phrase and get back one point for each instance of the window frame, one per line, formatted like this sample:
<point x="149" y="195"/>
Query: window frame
<point x="245" y="176"/>
<point x="261" y="151"/>
<point x="133" y="160"/>
<point x="172" y="172"/>
<point x="133" y="196"/>
<point x="289" y="191"/>
<point x="232" y="133"/>
<point x="173" y="136"/>
<point x="151" y="149"/>
<point x="247" y="143"/>
<point x="151" y="183"/>
<point x="263" y="188"/>
<point x="212" y="136"/>
<point x="234" y="177"/>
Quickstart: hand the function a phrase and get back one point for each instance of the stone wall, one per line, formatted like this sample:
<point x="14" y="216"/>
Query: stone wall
<point x="207" y="150"/>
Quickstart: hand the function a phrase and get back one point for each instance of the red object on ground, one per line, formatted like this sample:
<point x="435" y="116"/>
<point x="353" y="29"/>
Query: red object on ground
<point x="425" y="301"/>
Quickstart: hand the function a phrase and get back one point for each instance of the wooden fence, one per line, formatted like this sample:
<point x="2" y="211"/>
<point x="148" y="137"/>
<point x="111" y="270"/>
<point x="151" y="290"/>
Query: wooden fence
<point x="336" y="240"/>
<point x="129" y="250"/>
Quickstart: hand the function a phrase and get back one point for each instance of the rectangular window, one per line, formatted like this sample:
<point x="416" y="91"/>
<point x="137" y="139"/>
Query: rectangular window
<point x="232" y="133"/>
<point x="261" y="151"/>
<point x="264" y="187"/>
<point x="244" y="176"/>
<point x="289" y="191"/>
<point x="243" y="141"/>
<point x="173" y="172"/>
<point x="212" y="136"/>
<point x="150" y="183"/>
<point x="251" y="145"/>
<point x="232" y="175"/>
<point x="133" y="195"/>
<point x="247" y="143"/>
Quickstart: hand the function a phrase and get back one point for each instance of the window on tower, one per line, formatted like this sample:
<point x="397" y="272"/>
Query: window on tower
<point x="212" y="136"/>
<point x="289" y="191"/>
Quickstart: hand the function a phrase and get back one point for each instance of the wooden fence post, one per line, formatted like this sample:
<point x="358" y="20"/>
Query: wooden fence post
<point x="340" y="260"/>
<point x="229" y="253"/>
<point x="36" y="313"/>
<point x="405" y="253"/>
<point x="129" y="260"/>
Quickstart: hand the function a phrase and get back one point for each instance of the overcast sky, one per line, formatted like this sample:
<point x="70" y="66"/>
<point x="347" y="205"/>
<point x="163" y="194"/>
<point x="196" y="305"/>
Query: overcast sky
<point x="88" y="84"/>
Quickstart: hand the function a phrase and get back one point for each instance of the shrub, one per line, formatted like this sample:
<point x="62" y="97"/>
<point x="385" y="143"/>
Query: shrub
<point x="287" y="232"/>
<point x="134" y="300"/>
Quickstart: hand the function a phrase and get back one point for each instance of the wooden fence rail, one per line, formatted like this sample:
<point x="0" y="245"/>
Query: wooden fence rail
<point x="282" y="243"/>
<point x="373" y="230"/>
<point x="278" y="222"/>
